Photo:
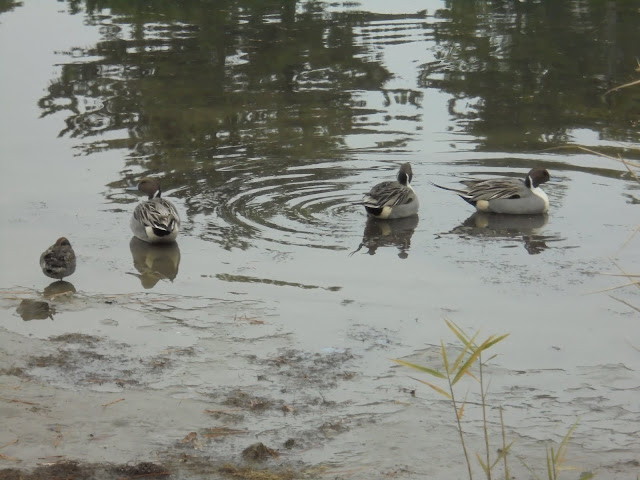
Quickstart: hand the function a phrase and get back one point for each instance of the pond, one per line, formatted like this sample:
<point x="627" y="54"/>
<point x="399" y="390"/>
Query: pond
<point x="276" y="315"/>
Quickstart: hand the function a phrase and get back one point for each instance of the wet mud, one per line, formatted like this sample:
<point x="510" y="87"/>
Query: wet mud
<point x="84" y="405"/>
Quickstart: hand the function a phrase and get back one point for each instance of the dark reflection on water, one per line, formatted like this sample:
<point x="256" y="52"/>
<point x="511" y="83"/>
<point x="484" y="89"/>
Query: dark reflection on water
<point x="226" y="277"/>
<point x="8" y="5"/>
<point x="245" y="109"/>
<point x="59" y="288"/>
<point x="35" y="310"/>
<point x="206" y="81"/>
<point x="521" y="228"/>
<point x="522" y="75"/>
<point x="388" y="233"/>
<point x="154" y="262"/>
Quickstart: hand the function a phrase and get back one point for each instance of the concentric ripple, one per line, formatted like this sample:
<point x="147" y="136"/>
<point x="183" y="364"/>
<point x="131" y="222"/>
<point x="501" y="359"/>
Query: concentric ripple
<point x="309" y="206"/>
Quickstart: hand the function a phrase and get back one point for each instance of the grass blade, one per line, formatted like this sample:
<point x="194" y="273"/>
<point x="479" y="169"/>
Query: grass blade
<point x="625" y="302"/>
<point x="489" y="342"/>
<point x="503" y="453"/>
<point x="466" y="366"/>
<point x="458" y="332"/>
<point x="551" y="463"/>
<point x="484" y="466"/>
<point x="435" y="387"/>
<point x="564" y="445"/>
<point x="460" y="411"/>
<point x="472" y="376"/>
<point x="493" y="342"/>
<point x="531" y="471"/>
<point x="421" y="368"/>
<point x="468" y="347"/>
<point x="444" y="357"/>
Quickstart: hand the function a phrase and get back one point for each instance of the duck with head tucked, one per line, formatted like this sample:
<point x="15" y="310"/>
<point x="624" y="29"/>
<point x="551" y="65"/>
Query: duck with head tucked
<point x="507" y="195"/>
<point x="156" y="220"/>
<point x="59" y="260"/>
<point x="389" y="200"/>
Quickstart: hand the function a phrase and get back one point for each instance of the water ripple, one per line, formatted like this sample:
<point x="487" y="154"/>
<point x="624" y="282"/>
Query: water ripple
<point x="304" y="206"/>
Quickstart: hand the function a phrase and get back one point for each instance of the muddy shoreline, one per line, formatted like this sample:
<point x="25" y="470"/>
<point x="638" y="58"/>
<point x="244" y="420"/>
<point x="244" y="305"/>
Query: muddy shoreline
<point x="80" y="405"/>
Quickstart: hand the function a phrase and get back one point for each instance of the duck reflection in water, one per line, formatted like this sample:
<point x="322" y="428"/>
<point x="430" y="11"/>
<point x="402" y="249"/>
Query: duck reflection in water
<point x="154" y="262"/>
<point x="388" y="233"/>
<point x="503" y="226"/>
<point x="59" y="288"/>
<point x="35" y="310"/>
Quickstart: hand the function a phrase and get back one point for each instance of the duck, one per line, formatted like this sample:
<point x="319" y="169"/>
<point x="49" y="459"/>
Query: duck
<point x="511" y="196"/>
<point x="389" y="200"/>
<point x="59" y="260"/>
<point x="155" y="220"/>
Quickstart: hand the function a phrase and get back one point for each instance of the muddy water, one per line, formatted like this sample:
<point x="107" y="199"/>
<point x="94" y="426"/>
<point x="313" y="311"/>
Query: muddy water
<point x="275" y="316"/>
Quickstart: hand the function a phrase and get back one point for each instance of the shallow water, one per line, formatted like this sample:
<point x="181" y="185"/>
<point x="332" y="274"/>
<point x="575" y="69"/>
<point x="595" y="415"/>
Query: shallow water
<point x="265" y="126"/>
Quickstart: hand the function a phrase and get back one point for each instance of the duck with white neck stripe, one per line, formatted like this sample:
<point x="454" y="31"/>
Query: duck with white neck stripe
<point x="507" y="195"/>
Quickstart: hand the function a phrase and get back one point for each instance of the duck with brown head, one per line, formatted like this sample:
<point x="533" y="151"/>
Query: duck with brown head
<point x="508" y="195"/>
<point x="389" y="200"/>
<point x="59" y="260"/>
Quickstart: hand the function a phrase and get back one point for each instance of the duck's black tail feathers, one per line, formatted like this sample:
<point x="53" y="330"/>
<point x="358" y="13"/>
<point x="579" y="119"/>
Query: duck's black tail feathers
<point x="462" y="193"/>
<point x="459" y="192"/>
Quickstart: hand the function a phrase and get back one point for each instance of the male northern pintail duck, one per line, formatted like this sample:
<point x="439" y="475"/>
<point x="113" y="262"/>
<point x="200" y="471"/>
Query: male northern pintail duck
<point x="507" y="195"/>
<point x="59" y="260"/>
<point x="389" y="200"/>
<point x="155" y="220"/>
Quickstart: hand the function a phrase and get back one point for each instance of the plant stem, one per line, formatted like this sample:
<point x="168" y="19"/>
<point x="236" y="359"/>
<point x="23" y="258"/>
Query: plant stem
<point x="504" y="447"/>
<point x="455" y="409"/>
<point x="483" y="395"/>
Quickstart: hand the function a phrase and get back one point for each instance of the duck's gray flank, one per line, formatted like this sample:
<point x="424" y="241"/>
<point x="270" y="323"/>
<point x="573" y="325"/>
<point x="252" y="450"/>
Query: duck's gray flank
<point x="507" y="195"/>
<point x="389" y="200"/>
<point x="155" y="220"/>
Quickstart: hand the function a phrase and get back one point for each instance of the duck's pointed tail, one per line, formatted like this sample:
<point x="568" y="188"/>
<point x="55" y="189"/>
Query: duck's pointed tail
<point x="463" y="194"/>
<point x="455" y="190"/>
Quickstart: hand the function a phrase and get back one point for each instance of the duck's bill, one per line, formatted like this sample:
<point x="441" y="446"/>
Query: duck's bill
<point x="131" y="188"/>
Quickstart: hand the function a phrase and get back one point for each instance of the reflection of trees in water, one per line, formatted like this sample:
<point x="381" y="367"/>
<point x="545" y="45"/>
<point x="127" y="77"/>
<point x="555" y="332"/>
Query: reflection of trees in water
<point x="250" y="78"/>
<point x="8" y="5"/>
<point x="269" y="78"/>
<point x="524" y="74"/>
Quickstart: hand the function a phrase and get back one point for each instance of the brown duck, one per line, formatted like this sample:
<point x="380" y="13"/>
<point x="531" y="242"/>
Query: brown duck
<point x="59" y="260"/>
